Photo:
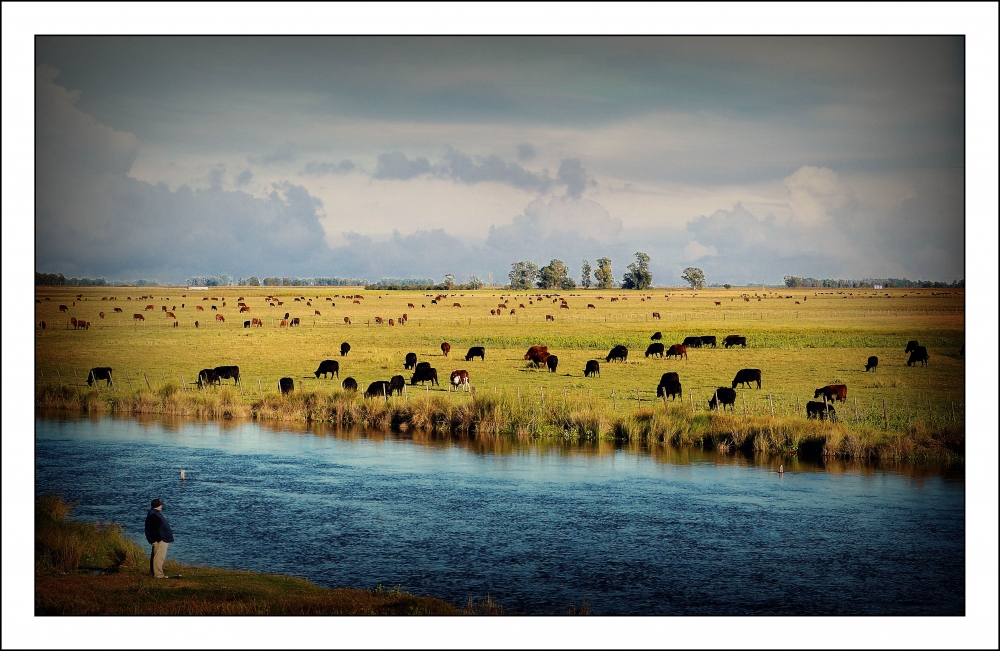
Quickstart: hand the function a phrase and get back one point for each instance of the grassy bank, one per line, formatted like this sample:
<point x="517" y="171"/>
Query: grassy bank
<point x="537" y="416"/>
<point x="91" y="569"/>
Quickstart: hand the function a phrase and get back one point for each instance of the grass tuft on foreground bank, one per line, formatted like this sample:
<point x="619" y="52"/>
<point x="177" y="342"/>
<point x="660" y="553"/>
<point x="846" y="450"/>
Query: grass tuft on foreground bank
<point x="84" y="568"/>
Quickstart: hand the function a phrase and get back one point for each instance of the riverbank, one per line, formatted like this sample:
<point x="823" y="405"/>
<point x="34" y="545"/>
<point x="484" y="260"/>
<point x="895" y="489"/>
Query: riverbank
<point x="84" y="568"/>
<point x="892" y="437"/>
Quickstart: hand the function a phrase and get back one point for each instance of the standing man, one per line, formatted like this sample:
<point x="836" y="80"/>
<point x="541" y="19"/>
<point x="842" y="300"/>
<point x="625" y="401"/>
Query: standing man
<point x="159" y="535"/>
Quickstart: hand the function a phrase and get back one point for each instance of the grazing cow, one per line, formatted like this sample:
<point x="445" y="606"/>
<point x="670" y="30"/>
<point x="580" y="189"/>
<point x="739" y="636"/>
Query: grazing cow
<point x="219" y="317"/>
<point x="445" y="348"/>
<point x="552" y="362"/>
<point x="670" y="388"/>
<point x="537" y="354"/>
<point x="718" y="302"/>
<point x="911" y="346"/>
<point x="872" y="364"/>
<point x="83" y="325"/>
<point x="347" y="320"/>
<point x="215" y="308"/>
<point x="708" y="340"/>
<point x="295" y="322"/>
<point x="377" y="389"/>
<point x="725" y="395"/>
<point x="102" y="315"/>
<point x="228" y="373"/>
<point x="493" y="312"/>
<point x="378" y="320"/>
<point x="246" y="324"/>
<point x="170" y="315"/>
<point x="118" y="309"/>
<point x="317" y="313"/>
<point x="613" y="299"/>
<point x="391" y="322"/>
<point x="286" y="385"/>
<point x="693" y="342"/>
<point x="149" y="307"/>
<point x="207" y="376"/>
<point x="330" y="366"/>
<point x="408" y="305"/>
<point x="821" y="410"/>
<point x="257" y="322"/>
<point x="196" y="324"/>
<point x="199" y="308"/>
<point x="476" y="351"/>
<point x="72" y="322"/>
<point x="422" y="375"/>
<point x="349" y="384"/>
<point x="593" y="368"/>
<point x="657" y="336"/>
<point x="591" y="306"/>
<point x="286" y="315"/>
<point x="456" y="305"/>
<point x="655" y="350"/>
<point x="344" y="349"/>
<point x="410" y="362"/>
<point x="421" y="365"/>
<point x="731" y="341"/>
<point x="919" y="354"/>
<point x="563" y="306"/>
<point x="138" y="317"/>
<point x="521" y="305"/>
<point x="63" y="308"/>
<point x="176" y="324"/>
<point x="656" y="315"/>
<point x="283" y="323"/>
<point x="549" y="317"/>
<point x="247" y="309"/>
<point x="832" y="392"/>
<point x="678" y="351"/>
<point x="164" y="308"/>
<point x="617" y="354"/>
<point x="99" y="373"/>
<point x="669" y="377"/>
<point x="460" y="379"/>
<point x="747" y="376"/>
<point x="396" y="383"/>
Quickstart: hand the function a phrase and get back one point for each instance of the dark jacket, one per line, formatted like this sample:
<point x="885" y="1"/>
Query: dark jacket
<point x="157" y="529"/>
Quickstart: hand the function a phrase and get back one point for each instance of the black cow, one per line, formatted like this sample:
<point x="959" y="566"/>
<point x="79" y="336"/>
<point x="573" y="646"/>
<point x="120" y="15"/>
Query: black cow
<point x="410" y="362"/>
<point x="552" y="362"/>
<point x="725" y="395"/>
<point x="286" y="316"/>
<point x="422" y="375"/>
<point x="872" y="364"/>
<point x="349" y="384"/>
<point x="330" y="366"/>
<point x="732" y="342"/>
<point x="228" y="373"/>
<point x="657" y="336"/>
<point x="208" y="376"/>
<point x="421" y="365"/>
<point x="919" y="354"/>
<point x="377" y="389"/>
<point x="396" y="384"/>
<point x="617" y="354"/>
<point x="246" y="324"/>
<point x="693" y="342"/>
<point x="99" y="373"/>
<point x="747" y="376"/>
<point x="708" y="340"/>
<point x="911" y="346"/>
<point x="669" y="377"/>
<point x="344" y="349"/>
<point x="671" y="388"/>
<point x="656" y="350"/>
<point x="593" y="368"/>
<point x="286" y="385"/>
<point x="821" y="410"/>
<point x="476" y="351"/>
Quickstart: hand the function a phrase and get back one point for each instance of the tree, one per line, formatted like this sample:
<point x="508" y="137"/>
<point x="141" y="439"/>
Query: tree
<point x="585" y="275"/>
<point x="474" y="283"/>
<point x="555" y="275"/>
<point x="603" y="273"/>
<point x="252" y="281"/>
<point x="638" y="276"/>
<point x="272" y="281"/>
<point x="449" y="281"/>
<point x="728" y="286"/>
<point x="695" y="277"/>
<point x="523" y="274"/>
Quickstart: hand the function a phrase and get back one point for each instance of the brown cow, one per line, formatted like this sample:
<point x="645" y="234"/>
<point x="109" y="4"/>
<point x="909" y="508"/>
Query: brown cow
<point x="176" y="324"/>
<point x="378" y="320"/>
<point x="549" y="317"/>
<point x="196" y="324"/>
<point x="358" y="302"/>
<point x="63" y="308"/>
<point x="118" y="309"/>
<point x="72" y="322"/>
<point x="199" y="308"/>
<point x="564" y="306"/>
<point x="317" y="313"/>
<point x="83" y="325"/>
<point x="656" y="315"/>
<point x="102" y="315"/>
<point x="591" y="306"/>
<point x="537" y="354"/>
<point x="170" y="315"/>
<point x="256" y="322"/>
<point x="718" y="302"/>
<point x="138" y="317"/>
<point x="446" y="348"/>
<point x="391" y="322"/>
<point x="409" y="305"/>
<point x="832" y="392"/>
<point x="460" y="379"/>
<point x="678" y="351"/>
<point x="456" y="305"/>
<point x="283" y="323"/>
<point x="613" y="299"/>
<point x="347" y="320"/>
<point x="163" y="308"/>
<point x="149" y="307"/>
<point x="244" y="309"/>
<point x="219" y="317"/>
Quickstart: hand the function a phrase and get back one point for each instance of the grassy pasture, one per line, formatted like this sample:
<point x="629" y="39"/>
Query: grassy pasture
<point x="816" y="337"/>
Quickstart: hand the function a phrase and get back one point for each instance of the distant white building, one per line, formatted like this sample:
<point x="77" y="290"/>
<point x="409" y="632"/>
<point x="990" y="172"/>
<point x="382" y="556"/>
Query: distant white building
<point x="876" y="286"/>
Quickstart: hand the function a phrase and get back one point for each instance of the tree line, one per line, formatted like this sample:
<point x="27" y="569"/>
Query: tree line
<point x="795" y="281"/>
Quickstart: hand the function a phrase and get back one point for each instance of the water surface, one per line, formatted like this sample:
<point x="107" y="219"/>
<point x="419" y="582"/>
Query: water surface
<point x="541" y="528"/>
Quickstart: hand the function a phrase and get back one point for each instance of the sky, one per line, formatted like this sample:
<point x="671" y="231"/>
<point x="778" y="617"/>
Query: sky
<point x="751" y="158"/>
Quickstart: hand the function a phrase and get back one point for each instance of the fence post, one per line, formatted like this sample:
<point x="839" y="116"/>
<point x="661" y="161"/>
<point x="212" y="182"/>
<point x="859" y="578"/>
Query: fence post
<point x="856" y="419"/>
<point x="129" y="380"/>
<point x="183" y="385"/>
<point x="743" y="394"/>
<point x="771" y="400"/>
<point x="691" y="393"/>
<point x="614" y="401"/>
<point x="147" y="381"/>
<point x="885" y="414"/>
<point x="76" y="376"/>
<point x="907" y="404"/>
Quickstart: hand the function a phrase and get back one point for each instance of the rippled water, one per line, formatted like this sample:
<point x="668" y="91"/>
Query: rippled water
<point x="540" y="528"/>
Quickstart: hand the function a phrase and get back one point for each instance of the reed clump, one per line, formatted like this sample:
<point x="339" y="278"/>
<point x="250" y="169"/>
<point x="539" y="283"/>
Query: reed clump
<point x="63" y="545"/>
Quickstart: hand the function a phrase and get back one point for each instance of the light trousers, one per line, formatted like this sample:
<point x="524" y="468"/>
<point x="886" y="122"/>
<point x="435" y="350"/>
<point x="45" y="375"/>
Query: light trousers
<point x="156" y="559"/>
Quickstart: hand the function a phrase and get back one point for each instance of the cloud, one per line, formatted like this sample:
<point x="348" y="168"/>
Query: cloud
<point x="571" y="173"/>
<point x="286" y="153"/>
<point x="695" y="250"/>
<point x="397" y="166"/>
<point x="525" y="152"/>
<point x="216" y="175"/>
<point x="243" y="178"/>
<point x="461" y="167"/>
<point x="316" y="168"/>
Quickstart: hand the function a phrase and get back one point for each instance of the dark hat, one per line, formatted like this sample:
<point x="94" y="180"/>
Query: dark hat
<point x="156" y="503"/>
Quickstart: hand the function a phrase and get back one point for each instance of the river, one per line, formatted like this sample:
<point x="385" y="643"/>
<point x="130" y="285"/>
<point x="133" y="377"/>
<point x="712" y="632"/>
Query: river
<point x="541" y="528"/>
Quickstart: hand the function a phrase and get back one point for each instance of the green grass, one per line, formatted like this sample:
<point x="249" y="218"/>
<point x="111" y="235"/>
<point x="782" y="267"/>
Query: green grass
<point x="825" y="339"/>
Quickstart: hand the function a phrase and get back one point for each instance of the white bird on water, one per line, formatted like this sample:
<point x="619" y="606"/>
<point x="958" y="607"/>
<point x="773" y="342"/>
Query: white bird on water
<point x="781" y="470"/>
<point x="182" y="475"/>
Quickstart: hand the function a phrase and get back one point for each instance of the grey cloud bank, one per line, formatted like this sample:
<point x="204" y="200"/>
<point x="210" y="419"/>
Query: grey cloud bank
<point x="844" y="155"/>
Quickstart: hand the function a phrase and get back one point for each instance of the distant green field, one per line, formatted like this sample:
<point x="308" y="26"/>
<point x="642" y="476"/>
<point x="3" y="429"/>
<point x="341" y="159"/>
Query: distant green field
<point x="800" y="339"/>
